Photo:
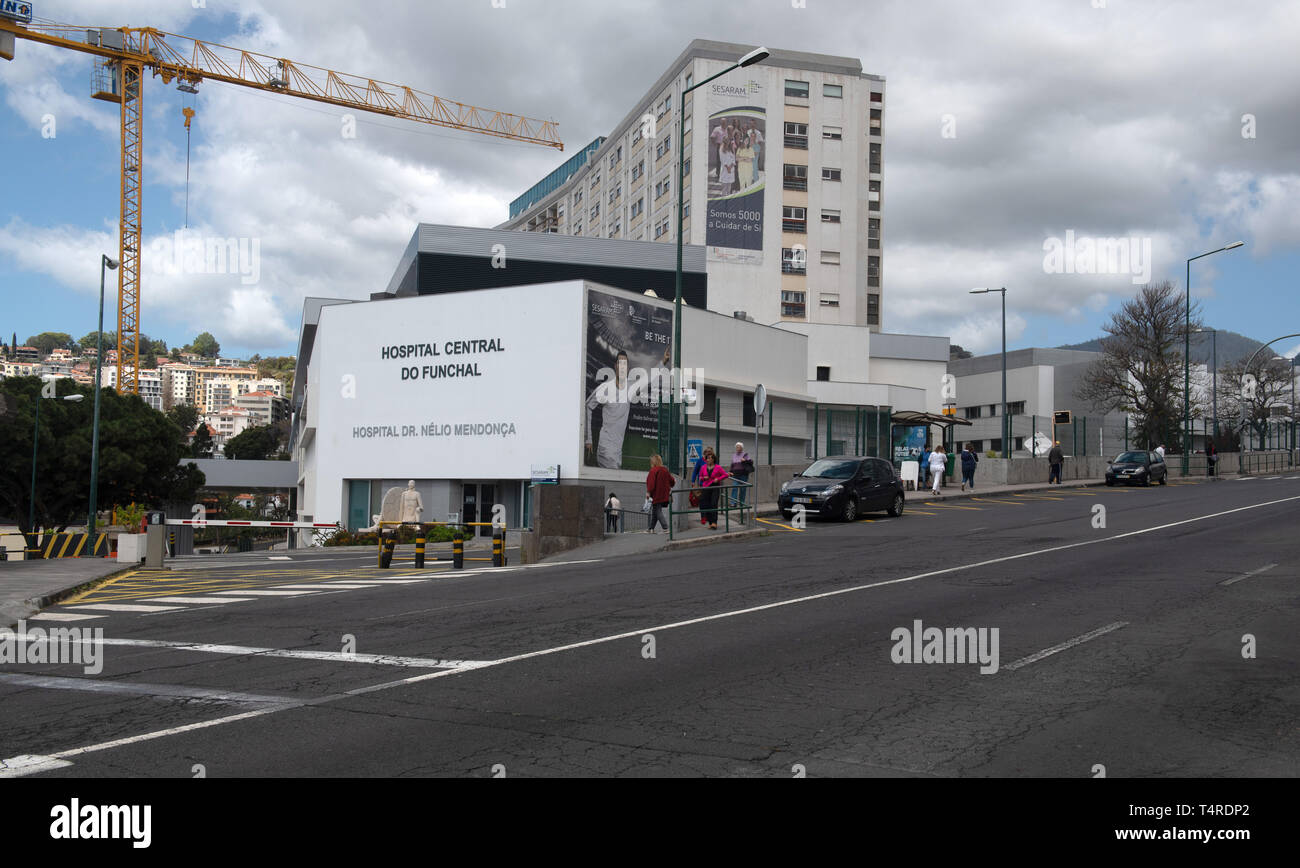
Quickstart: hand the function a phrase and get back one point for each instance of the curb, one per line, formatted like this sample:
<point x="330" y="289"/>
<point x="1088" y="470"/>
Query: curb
<point x="710" y="540"/>
<point x="15" y="610"/>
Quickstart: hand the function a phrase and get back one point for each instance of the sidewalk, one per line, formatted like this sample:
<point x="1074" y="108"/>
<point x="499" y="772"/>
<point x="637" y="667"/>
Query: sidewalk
<point x="26" y="587"/>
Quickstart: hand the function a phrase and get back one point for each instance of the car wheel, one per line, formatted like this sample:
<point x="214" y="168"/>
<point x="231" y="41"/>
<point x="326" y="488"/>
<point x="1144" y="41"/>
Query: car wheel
<point x="1164" y="480"/>
<point x="1110" y="483"/>
<point x="787" y="515"/>
<point x="1146" y="481"/>
<point x="896" y="508"/>
<point x="850" y="511"/>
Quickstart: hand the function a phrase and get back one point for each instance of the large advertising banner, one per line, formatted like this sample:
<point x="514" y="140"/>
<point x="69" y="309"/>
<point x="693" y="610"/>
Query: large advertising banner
<point x="909" y="442"/>
<point x="737" y="142"/>
<point x="464" y="385"/>
<point x="629" y="350"/>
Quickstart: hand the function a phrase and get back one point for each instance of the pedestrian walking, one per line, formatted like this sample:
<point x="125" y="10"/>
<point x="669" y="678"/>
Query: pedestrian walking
<point x="659" y="490"/>
<point x="938" y="466"/>
<point x="741" y="468"/>
<point x="924" y="470"/>
<point x="1055" y="458"/>
<point x="969" y="458"/>
<point x="1211" y="459"/>
<point x="711" y="478"/>
<point x="1160" y="450"/>
<point x="612" y="506"/>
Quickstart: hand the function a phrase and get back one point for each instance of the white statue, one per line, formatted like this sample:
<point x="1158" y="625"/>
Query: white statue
<point x="411" y="505"/>
<point x="374" y="525"/>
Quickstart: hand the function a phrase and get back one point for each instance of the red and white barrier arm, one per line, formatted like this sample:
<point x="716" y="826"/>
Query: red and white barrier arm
<point x="216" y="522"/>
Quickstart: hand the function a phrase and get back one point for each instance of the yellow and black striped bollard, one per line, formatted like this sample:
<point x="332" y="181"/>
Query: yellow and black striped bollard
<point x="458" y="551"/>
<point x="498" y="548"/>
<point x="419" y="550"/>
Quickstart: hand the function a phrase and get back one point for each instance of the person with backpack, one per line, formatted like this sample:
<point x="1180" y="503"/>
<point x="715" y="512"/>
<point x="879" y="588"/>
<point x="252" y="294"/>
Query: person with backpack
<point x="969" y="458"/>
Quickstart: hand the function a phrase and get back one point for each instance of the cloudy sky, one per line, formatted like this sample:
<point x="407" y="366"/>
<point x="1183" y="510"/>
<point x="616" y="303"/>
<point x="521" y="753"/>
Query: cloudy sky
<point x="1008" y="124"/>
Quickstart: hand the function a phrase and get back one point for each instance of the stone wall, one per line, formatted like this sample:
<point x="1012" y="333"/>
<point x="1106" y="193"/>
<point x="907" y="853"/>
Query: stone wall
<point x="565" y="517"/>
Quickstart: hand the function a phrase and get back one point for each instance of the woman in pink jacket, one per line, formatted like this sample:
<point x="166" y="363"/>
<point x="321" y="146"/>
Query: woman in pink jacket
<point x="711" y="479"/>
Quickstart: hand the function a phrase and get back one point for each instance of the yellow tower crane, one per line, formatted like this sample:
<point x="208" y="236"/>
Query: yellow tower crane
<point x="124" y="53"/>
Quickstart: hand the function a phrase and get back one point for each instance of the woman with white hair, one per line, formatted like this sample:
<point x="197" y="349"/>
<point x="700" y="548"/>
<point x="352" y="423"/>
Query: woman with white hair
<point x="741" y="467"/>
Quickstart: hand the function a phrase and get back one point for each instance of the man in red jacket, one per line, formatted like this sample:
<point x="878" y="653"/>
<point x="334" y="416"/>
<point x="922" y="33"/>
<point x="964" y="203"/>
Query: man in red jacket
<point x="659" y="487"/>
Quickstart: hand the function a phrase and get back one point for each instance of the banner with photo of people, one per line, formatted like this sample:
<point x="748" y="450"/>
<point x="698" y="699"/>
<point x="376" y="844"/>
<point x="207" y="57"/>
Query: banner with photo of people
<point x="629" y="351"/>
<point x="737" y="174"/>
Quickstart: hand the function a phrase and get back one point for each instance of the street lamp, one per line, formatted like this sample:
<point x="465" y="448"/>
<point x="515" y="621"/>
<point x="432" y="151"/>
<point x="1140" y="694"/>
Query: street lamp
<point x="1214" y="338"/>
<point x="1006" y="427"/>
<point x="756" y="56"/>
<point x="36" y="439"/>
<point x="104" y="262"/>
<point x="1187" y="349"/>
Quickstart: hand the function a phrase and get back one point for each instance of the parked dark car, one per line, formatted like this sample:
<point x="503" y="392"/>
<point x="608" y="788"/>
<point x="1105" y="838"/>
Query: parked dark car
<point x="843" y="487"/>
<point x="1142" y="468"/>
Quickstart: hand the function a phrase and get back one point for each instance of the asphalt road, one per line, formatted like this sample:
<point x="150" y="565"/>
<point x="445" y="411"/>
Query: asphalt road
<point x="1118" y="647"/>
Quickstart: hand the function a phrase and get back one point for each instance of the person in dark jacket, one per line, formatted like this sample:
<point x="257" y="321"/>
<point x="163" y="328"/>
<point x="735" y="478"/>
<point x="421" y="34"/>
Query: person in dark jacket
<point x="1211" y="459"/>
<point x="969" y="458"/>
<point x="659" y="488"/>
<point x="1055" y="458"/>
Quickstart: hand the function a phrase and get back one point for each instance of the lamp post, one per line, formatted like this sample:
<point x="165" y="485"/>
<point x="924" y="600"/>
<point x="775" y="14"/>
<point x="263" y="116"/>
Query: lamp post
<point x="1187" y="348"/>
<point x="755" y="56"/>
<point x="36" y="440"/>
<point x="104" y="262"/>
<point x="1006" y="428"/>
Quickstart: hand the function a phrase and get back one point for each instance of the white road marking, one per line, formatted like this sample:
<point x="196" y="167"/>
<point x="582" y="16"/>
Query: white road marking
<point x="266" y="593"/>
<point x="279" y="558"/>
<point x="486" y="664"/>
<point x="367" y="582"/>
<point x="62" y="616"/>
<point x="29" y="764"/>
<point x="1272" y="477"/>
<point x="1056" y="649"/>
<point x="207" y="600"/>
<point x="91" y="685"/>
<point x="332" y="656"/>
<point x="121" y="607"/>
<point x="1236" y="579"/>
<point x="332" y="586"/>
<point x="1246" y="478"/>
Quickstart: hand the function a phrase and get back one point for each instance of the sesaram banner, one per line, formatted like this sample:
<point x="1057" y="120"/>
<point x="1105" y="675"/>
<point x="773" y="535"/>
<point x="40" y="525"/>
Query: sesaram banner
<point x="737" y="173"/>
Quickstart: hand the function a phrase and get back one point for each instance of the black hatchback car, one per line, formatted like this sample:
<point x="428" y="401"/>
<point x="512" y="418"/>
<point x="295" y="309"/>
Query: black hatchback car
<point x="1142" y="468"/>
<point x="843" y="487"/>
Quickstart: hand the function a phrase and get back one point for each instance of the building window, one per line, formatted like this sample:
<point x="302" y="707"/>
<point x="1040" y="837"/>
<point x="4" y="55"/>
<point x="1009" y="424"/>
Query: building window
<point x="830" y="299"/>
<point x="796" y="88"/>
<point x="638" y="170"/>
<point x="873" y="309"/>
<point x="794" y="177"/>
<point x="796" y="136"/>
<point x="709" y="407"/>
<point x="577" y="230"/>
<point x="993" y="411"/>
<point x="877" y="96"/>
<point x="663" y="187"/>
<point x="874" y="159"/>
<point x="686" y="125"/>
<point x="972" y="412"/>
<point x="834" y="91"/>
<point x="690" y="79"/>
<point x="830" y="174"/>
<point x="665" y="146"/>
<point x="636" y="134"/>
<point x="638" y="206"/>
<point x="830" y="257"/>
<point x="875" y="122"/>
<point x="873" y="233"/>
<point x="873" y="271"/>
<point x="829" y="216"/>
<point x="686" y="209"/>
<point x="686" y="167"/>
<point x="1016" y="408"/>
<point x="595" y="211"/>
<point x="577" y="197"/>
<point x="835" y="134"/>
<point x="873" y="205"/>
<point x="665" y="106"/>
<point x="793" y="303"/>
<point x="794" y="219"/>
<point x="794" y="261"/>
<point x="823" y="373"/>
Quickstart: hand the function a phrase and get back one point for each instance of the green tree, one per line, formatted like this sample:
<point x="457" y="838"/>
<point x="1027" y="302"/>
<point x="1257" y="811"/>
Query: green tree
<point x="206" y="346"/>
<point x="88" y="342"/>
<point x="139" y="452"/>
<point x="186" y="417"/>
<point x="201" y="446"/>
<point x="257" y="443"/>
<point x="48" y="341"/>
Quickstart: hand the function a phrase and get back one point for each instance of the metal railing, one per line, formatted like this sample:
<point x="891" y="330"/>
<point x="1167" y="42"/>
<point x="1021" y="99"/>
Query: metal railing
<point x="728" y="502"/>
